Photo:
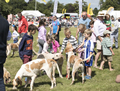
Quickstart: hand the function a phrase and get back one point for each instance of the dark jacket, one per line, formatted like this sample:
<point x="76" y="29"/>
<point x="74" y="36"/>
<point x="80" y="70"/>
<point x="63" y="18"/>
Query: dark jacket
<point x="4" y="28"/>
<point x="23" y="25"/>
<point x="25" y="47"/>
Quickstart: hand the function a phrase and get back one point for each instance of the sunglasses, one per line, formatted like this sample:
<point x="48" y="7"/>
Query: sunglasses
<point x="83" y="15"/>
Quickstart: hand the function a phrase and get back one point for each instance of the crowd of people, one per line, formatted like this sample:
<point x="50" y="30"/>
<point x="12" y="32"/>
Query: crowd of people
<point x="100" y="34"/>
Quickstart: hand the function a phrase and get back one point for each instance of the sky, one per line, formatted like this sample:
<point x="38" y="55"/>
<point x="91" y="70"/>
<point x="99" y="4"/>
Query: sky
<point x="94" y="3"/>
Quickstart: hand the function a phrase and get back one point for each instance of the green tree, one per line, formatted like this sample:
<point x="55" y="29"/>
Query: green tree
<point x="95" y="11"/>
<point x="111" y="3"/>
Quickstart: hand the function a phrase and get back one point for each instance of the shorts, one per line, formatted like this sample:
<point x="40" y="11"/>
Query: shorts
<point x="99" y="47"/>
<point x="27" y="59"/>
<point x="107" y="58"/>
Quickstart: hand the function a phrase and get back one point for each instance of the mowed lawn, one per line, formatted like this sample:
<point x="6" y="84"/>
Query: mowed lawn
<point x="101" y="80"/>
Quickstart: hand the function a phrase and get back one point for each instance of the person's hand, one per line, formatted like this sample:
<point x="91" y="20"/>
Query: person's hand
<point x="76" y="37"/>
<point x="88" y="61"/>
<point x="60" y="52"/>
<point x="56" y="33"/>
<point x="113" y="53"/>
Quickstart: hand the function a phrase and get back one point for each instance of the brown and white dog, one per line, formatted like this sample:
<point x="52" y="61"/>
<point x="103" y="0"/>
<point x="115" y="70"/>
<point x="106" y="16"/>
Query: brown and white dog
<point x="58" y="57"/>
<point x="13" y="46"/>
<point x="74" y="61"/>
<point x="6" y="76"/>
<point x="31" y="69"/>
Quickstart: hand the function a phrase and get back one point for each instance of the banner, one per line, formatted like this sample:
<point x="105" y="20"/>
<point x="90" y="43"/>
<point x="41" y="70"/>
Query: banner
<point x="7" y="1"/>
<point x="63" y="11"/>
<point x="91" y="12"/>
<point x="88" y="9"/>
<point x="44" y="1"/>
<point x="80" y="7"/>
<point x="55" y="7"/>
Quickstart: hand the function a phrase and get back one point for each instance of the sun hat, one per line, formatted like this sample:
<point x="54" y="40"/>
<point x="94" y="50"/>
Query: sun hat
<point x="106" y="32"/>
<point x="101" y="13"/>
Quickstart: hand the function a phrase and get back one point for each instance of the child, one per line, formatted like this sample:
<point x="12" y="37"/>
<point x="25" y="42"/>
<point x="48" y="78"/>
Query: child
<point x="88" y="49"/>
<point x="107" y="22"/>
<point x="93" y="37"/>
<point x="25" y="47"/>
<point x="15" y="35"/>
<point x="107" y="50"/>
<point x="47" y="45"/>
<point x="81" y="29"/>
<point x="55" y="44"/>
<point x="114" y="30"/>
<point x="71" y="39"/>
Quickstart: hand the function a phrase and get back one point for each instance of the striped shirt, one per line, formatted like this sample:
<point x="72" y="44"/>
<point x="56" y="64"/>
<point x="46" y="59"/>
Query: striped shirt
<point x="106" y="44"/>
<point x="72" y="40"/>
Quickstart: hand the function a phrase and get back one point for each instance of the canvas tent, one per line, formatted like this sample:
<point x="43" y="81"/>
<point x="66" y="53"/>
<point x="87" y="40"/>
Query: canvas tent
<point x="34" y="13"/>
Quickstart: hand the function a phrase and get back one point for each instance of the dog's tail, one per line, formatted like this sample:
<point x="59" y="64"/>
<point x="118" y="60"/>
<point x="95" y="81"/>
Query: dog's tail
<point x="35" y="52"/>
<point x="88" y="57"/>
<point x="57" y="68"/>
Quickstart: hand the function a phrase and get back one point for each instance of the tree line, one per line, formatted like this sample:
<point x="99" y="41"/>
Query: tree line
<point x="15" y="6"/>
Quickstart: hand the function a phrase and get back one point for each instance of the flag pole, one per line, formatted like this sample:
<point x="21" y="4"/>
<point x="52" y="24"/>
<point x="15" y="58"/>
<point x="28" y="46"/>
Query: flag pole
<point x="35" y="4"/>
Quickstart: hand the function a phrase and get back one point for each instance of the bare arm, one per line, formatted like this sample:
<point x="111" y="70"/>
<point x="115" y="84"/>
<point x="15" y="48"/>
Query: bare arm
<point x="81" y="44"/>
<point x="112" y="51"/>
<point x="77" y="34"/>
<point x="81" y="50"/>
<point x="99" y="38"/>
<point x="57" y="30"/>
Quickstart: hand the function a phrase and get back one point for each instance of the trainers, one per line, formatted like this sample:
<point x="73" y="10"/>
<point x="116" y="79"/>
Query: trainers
<point x="89" y="77"/>
<point x="86" y="76"/>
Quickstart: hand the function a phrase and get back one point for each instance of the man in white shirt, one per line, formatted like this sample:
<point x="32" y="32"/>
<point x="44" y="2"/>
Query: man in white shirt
<point x="99" y="28"/>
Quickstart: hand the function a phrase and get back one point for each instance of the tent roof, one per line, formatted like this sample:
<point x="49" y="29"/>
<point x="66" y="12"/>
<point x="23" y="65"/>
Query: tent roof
<point x="32" y="13"/>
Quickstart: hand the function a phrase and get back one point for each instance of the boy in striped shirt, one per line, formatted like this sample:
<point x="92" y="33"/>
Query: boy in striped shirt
<point x="71" y="39"/>
<point x="107" y="50"/>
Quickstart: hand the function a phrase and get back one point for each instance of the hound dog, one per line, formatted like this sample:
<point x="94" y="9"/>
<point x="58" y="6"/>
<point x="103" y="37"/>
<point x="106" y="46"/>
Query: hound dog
<point x="13" y="46"/>
<point x="6" y="76"/>
<point x="31" y="69"/>
<point x="75" y="61"/>
<point x="58" y="57"/>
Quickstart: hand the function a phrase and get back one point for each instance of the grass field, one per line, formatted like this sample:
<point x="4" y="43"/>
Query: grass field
<point x="101" y="80"/>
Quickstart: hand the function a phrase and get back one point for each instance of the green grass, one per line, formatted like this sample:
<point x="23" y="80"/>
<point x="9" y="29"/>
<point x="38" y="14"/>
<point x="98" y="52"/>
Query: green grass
<point x="101" y="80"/>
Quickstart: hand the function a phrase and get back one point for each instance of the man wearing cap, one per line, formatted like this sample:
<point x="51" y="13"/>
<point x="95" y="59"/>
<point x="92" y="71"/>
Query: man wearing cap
<point x="99" y="28"/>
<point x="107" y="50"/>
<point x="55" y="27"/>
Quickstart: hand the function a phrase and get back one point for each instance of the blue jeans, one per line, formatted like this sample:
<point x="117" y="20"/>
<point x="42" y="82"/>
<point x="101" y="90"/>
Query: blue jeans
<point x="2" y="61"/>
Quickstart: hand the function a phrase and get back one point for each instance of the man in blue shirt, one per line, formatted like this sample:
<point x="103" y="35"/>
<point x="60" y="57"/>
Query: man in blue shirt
<point x="55" y="27"/>
<point x="84" y="20"/>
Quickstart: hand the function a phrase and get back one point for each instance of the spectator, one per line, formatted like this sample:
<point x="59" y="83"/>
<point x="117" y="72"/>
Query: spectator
<point x="55" y="27"/>
<point x="15" y="34"/>
<point x="99" y="28"/>
<point x="22" y="25"/>
<point x="84" y="20"/>
<point x="4" y="28"/>
<point x="107" y="50"/>
<point x="41" y="35"/>
<point x="114" y="34"/>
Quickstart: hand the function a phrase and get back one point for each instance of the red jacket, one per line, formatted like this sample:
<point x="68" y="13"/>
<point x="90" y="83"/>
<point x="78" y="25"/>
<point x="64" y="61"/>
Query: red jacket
<point x="23" y="25"/>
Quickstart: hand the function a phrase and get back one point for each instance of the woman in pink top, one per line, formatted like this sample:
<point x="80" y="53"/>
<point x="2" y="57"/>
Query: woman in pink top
<point x="41" y="35"/>
<point x="55" y="44"/>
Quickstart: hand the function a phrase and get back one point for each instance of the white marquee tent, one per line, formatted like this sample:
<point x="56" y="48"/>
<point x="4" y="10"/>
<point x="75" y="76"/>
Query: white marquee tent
<point x="35" y="13"/>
